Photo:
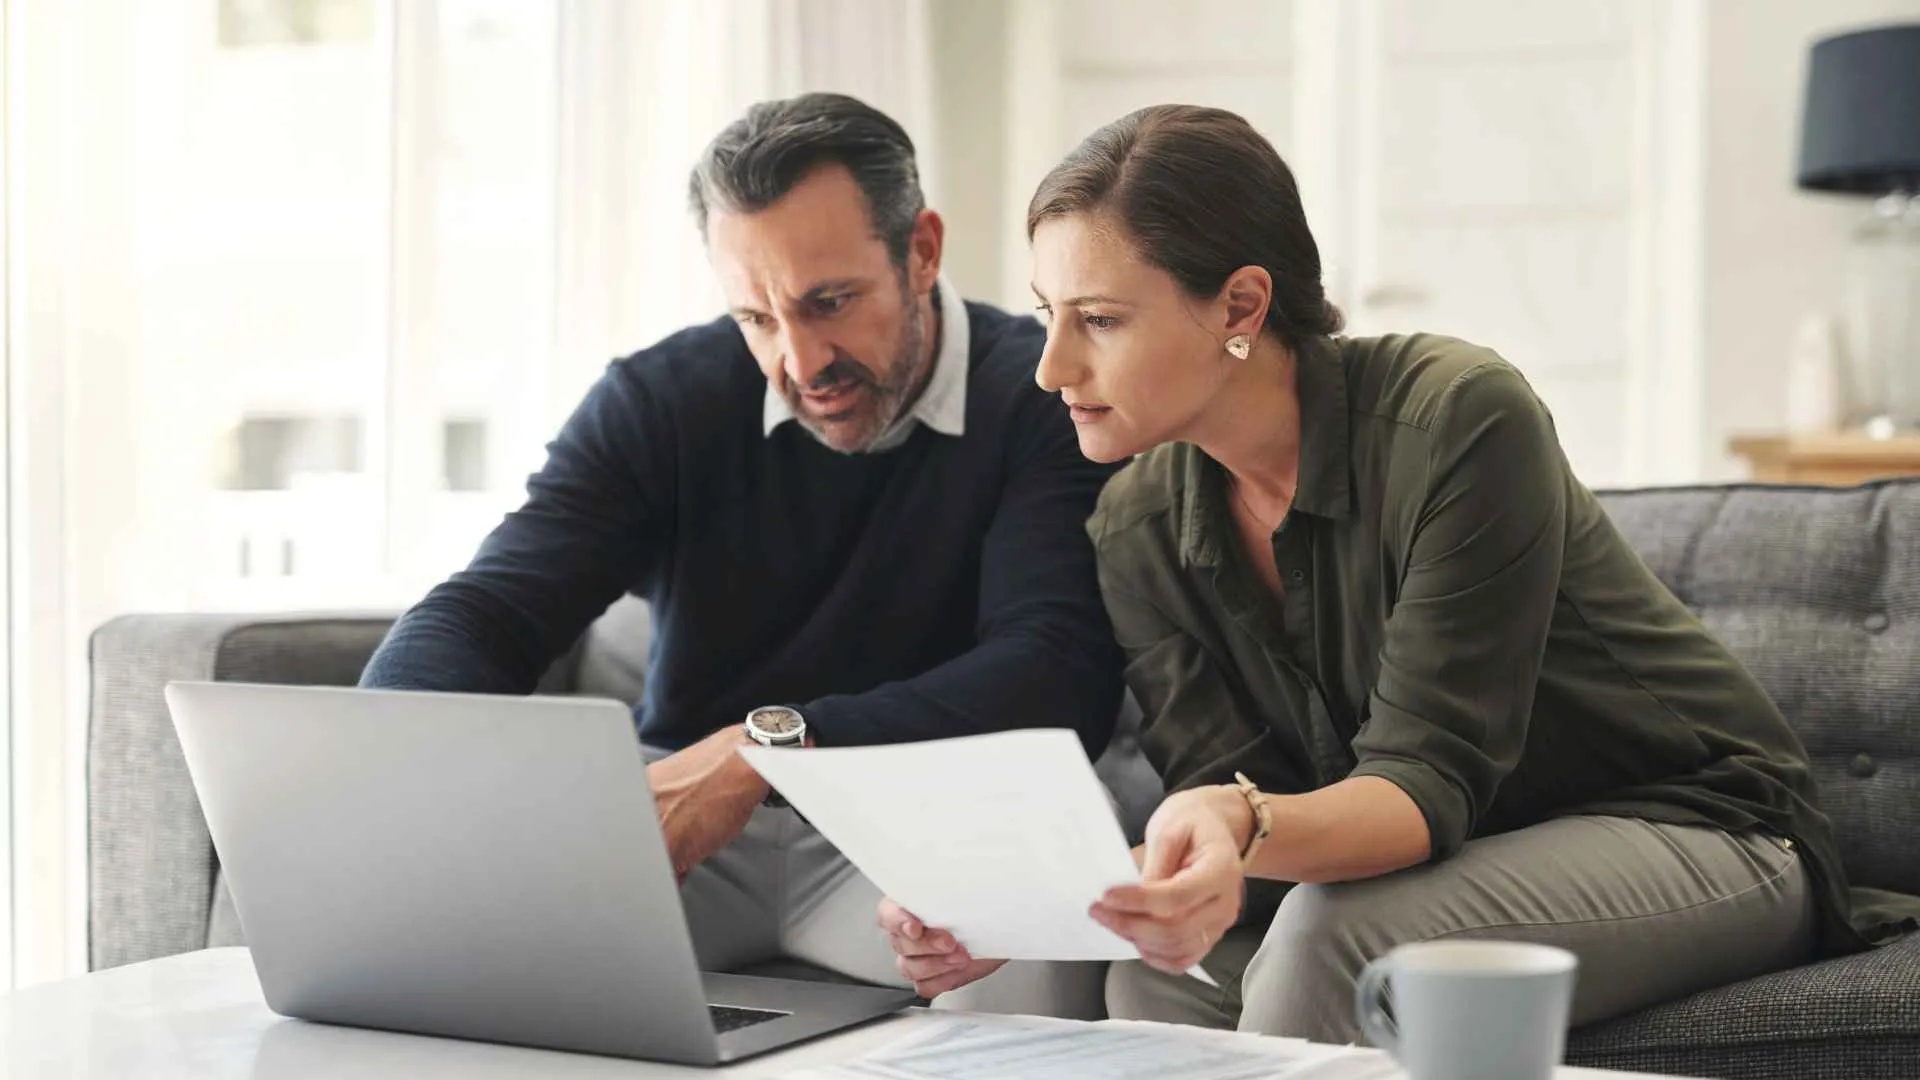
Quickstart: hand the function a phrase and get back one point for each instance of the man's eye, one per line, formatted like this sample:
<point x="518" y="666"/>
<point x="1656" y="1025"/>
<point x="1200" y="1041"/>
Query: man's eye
<point x="833" y="305"/>
<point x="752" y="319"/>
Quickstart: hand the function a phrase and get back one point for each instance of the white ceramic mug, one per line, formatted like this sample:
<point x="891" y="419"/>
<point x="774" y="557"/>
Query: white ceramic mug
<point x="1470" y="1010"/>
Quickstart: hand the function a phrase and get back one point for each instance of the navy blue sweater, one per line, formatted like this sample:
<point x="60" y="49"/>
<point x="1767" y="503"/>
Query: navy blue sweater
<point x="945" y="587"/>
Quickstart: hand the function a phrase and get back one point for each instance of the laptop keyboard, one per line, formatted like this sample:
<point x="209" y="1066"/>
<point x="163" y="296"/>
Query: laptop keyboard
<point x="727" y="1018"/>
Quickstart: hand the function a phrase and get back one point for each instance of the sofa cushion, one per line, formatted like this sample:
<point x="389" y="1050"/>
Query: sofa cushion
<point x="1817" y="591"/>
<point x="614" y="652"/>
<point x="1856" y="1017"/>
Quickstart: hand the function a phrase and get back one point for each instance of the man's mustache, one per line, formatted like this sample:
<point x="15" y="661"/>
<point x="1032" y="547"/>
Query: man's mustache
<point x="842" y="372"/>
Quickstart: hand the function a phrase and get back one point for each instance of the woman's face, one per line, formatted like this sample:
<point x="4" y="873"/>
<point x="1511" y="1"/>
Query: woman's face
<point x="1136" y="359"/>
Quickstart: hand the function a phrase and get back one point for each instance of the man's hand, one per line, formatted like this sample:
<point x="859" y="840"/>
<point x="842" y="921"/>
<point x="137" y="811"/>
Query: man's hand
<point x="705" y="795"/>
<point x="1192" y="885"/>
<point x="933" y="959"/>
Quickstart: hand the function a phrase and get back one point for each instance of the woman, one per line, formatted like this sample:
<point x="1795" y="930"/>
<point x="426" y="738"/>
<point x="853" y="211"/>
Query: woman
<point x="1359" y="572"/>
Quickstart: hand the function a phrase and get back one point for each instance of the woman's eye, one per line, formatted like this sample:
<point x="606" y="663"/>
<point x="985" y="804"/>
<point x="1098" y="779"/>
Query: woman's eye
<point x="1102" y="322"/>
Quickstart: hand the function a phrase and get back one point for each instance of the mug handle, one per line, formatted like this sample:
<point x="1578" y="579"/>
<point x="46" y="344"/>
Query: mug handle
<point x="1370" y="1009"/>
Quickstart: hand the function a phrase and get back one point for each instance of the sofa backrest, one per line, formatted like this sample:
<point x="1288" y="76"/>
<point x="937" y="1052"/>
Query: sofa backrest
<point x="1817" y="591"/>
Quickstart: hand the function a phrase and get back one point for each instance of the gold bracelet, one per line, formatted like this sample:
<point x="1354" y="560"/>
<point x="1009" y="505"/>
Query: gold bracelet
<point x="1262" y="818"/>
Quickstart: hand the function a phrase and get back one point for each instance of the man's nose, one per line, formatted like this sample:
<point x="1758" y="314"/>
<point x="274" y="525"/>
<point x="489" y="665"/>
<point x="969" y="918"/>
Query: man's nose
<point x="805" y="355"/>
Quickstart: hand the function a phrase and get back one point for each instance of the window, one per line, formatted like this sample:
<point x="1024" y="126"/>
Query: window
<point x="345" y="278"/>
<point x="305" y="287"/>
<point x="245" y="23"/>
<point x="6" y="520"/>
<point x="291" y="313"/>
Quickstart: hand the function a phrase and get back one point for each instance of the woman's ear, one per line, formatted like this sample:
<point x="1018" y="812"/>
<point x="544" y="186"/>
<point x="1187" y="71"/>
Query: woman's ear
<point x="1245" y="297"/>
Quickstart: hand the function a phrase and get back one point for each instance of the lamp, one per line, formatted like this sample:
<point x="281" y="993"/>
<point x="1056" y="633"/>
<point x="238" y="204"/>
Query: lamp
<point x="1860" y="135"/>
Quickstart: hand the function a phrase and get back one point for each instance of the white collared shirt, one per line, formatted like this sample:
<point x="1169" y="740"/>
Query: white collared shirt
<point x="942" y="406"/>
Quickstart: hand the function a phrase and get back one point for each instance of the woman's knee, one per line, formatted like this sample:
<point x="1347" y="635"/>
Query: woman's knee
<point x="1129" y="991"/>
<point x="1308" y="930"/>
<point x="1301" y="982"/>
<point x="1138" y="992"/>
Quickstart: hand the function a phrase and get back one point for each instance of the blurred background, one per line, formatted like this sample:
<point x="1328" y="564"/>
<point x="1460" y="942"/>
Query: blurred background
<point x="297" y="290"/>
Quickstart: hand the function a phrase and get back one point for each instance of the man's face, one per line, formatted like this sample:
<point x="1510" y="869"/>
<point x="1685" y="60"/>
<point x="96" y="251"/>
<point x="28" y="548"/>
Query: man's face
<point x="838" y="329"/>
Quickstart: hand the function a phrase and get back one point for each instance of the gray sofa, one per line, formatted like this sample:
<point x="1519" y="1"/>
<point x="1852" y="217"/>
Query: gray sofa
<point x="1818" y="590"/>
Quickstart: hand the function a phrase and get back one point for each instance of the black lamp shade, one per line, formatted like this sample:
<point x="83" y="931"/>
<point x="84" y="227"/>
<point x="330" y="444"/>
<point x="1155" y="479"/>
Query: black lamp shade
<point x="1860" y="127"/>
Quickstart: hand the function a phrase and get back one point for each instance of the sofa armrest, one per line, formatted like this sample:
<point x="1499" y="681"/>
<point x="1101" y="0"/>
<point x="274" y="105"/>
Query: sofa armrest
<point x="151" y="866"/>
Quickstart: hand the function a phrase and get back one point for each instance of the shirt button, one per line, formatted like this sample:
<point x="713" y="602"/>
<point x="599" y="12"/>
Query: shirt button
<point x="1875" y="622"/>
<point x="1863" y="766"/>
<point x="1297" y="576"/>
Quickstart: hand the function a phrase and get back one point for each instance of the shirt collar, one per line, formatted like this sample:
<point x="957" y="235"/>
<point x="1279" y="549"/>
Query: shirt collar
<point x="1324" y="490"/>
<point x="942" y="406"/>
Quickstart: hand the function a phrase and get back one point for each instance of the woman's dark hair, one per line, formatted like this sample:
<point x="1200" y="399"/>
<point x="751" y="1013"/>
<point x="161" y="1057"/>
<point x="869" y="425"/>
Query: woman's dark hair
<point x="766" y="153"/>
<point x="1201" y="194"/>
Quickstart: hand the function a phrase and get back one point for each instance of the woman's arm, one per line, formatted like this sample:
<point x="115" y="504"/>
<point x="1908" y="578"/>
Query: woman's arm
<point x="1361" y="827"/>
<point x="1448" y="717"/>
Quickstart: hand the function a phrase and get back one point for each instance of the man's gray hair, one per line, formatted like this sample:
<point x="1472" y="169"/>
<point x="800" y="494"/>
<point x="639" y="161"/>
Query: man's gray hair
<point x="764" y="154"/>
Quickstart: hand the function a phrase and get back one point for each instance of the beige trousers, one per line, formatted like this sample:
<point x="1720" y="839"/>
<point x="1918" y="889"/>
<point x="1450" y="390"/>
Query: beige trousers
<point x="1653" y="912"/>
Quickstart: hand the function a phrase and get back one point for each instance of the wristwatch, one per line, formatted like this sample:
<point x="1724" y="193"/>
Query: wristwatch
<point x="777" y="726"/>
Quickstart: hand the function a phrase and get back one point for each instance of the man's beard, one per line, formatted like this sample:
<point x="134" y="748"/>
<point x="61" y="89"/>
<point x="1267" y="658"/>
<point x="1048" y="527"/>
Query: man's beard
<point x="885" y="400"/>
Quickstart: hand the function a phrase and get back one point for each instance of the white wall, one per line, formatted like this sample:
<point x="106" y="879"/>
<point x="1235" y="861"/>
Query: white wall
<point x="1773" y="253"/>
<point x="970" y="92"/>
<point x="1770" y="253"/>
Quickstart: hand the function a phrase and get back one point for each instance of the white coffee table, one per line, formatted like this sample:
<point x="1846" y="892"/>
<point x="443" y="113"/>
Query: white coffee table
<point x="201" y="1016"/>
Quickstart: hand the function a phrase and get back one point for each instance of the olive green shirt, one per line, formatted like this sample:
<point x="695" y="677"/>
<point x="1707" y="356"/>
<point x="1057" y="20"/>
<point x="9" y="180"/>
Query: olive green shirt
<point x="1460" y="618"/>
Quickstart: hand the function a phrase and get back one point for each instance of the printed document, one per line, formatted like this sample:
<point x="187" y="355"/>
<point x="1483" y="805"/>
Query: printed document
<point x="1004" y="839"/>
<point x="965" y="1046"/>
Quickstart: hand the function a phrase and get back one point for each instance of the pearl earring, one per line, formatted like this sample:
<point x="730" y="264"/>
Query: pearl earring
<point x="1240" y="345"/>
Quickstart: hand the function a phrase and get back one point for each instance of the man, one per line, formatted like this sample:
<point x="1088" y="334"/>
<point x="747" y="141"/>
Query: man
<point x="848" y="499"/>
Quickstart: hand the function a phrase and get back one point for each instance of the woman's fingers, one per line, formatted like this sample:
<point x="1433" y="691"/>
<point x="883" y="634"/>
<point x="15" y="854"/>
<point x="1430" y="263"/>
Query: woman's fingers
<point x="1181" y="937"/>
<point x="1153" y="935"/>
<point x="1167" y="849"/>
<point x="1198" y="937"/>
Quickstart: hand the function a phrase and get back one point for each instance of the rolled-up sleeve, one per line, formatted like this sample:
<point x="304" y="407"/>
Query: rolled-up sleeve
<point x="1448" y="714"/>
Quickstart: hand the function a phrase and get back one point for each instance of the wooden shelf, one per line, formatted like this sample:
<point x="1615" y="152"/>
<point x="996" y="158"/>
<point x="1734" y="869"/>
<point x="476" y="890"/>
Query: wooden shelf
<point x="1837" y="459"/>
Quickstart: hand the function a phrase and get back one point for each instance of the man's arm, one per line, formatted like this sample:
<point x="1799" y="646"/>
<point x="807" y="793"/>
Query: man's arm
<point x="1045" y="655"/>
<point x="591" y="523"/>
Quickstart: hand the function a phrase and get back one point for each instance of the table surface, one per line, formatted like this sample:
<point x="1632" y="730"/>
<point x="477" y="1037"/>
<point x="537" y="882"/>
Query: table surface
<point x="201" y="1015"/>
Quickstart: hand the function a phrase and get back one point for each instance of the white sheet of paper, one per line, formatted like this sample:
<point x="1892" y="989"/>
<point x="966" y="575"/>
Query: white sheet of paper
<point x="965" y="1046"/>
<point x="1004" y="839"/>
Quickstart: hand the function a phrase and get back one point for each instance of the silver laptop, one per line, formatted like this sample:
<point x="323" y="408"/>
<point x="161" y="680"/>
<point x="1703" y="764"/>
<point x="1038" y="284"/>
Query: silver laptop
<point x="475" y="866"/>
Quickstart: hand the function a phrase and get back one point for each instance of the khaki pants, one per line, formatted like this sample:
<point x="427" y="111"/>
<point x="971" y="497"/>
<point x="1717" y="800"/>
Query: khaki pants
<point x="1653" y="912"/>
<point x="781" y="892"/>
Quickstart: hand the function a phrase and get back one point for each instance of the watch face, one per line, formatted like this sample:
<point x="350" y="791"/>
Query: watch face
<point x="777" y="722"/>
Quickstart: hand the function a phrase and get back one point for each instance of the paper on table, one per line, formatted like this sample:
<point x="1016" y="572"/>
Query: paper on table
<point x="1004" y="839"/>
<point x="970" y="1047"/>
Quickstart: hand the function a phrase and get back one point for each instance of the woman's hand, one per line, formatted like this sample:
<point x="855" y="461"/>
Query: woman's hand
<point x="1192" y="887"/>
<point x="934" y="960"/>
